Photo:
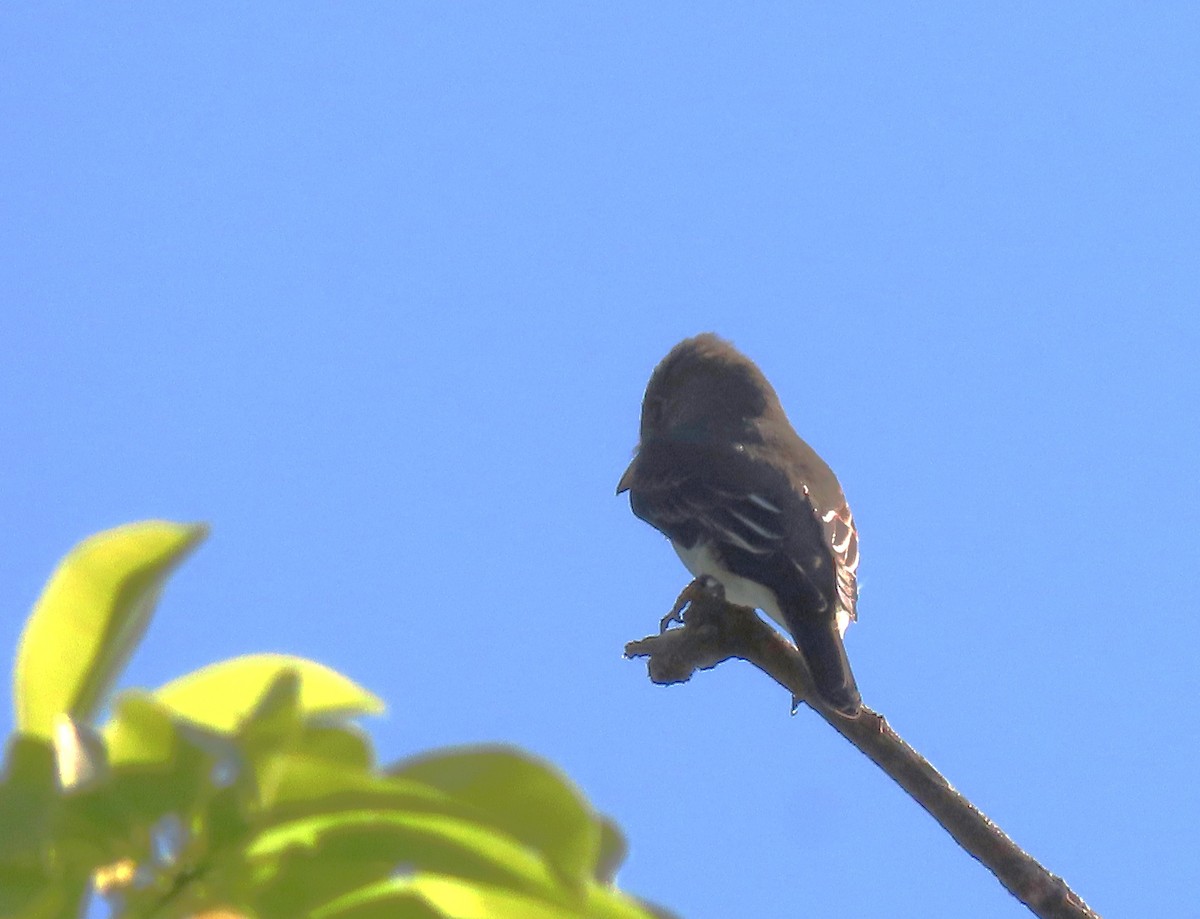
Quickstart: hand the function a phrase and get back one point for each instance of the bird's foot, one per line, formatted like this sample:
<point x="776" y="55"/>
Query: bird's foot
<point x="700" y="587"/>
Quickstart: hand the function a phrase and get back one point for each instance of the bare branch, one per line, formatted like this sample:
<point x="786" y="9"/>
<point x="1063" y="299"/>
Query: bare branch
<point x="714" y="631"/>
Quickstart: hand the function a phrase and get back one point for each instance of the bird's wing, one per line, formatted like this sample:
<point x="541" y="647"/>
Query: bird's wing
<point x="837" y="523"/>
<point x="754" y="510"/>
<point x="693" y="497"/>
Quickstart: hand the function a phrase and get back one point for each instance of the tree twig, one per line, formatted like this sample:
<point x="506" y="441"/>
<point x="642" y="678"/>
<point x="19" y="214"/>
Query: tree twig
<point x="714" y="631"/>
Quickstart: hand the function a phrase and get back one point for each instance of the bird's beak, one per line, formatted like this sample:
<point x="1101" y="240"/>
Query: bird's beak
<point x="627" y="478"/>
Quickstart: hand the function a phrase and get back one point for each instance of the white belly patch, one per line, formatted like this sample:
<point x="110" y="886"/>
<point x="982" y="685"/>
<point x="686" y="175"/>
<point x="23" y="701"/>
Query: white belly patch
<point x="700" y="560"/>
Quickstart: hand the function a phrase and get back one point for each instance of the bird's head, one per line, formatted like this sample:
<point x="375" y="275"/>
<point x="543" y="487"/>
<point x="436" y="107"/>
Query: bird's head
<point x="705" y="390"/>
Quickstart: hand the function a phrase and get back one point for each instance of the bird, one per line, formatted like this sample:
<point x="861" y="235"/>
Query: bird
<point x="745" y="502"/>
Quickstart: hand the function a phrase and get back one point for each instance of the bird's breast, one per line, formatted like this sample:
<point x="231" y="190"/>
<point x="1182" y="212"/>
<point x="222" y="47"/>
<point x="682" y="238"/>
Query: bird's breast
<point x="701" y="559"/>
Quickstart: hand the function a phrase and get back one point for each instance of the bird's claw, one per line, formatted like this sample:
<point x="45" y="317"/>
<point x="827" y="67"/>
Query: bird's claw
<point x="700" y="587"/>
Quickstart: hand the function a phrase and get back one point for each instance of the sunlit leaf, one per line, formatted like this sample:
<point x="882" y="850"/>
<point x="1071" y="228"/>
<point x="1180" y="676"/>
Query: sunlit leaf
<point x="221" y="695"/>
<point x="277" y="721"/>
<point x="90" y="617"/>
<point x="526" y="798"/>
<point x="388" y="898"/>
<point x="346" y="744"/>
<point x="390" y="904"/>
<point x="158" y="763"/>
<point x="442" y="895"/>
<point x="141" y="731"/>
<point x="303" y="785"/>
<point x="430" y="842"/>
<point x="302" y="879"/>
<point x="281" y="748"/>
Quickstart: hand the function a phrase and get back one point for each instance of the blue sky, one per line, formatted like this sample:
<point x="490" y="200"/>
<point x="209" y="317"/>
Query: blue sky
<point x="375" y="290"/>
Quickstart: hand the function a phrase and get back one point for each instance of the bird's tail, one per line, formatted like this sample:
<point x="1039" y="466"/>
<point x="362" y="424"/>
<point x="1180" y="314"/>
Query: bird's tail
<point x="820" y="644"/>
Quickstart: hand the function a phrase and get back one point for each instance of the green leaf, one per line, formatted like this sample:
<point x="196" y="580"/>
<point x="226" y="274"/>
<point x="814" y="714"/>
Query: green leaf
<point x="221" y="695"/>
<point x="276" y="722"/>
<point x="432" y="895"/>
<point x="35" y="879"/>
<point x="225" y="825"/>
<point x="303" y="785"/>
<point x="275" y="736"/>
<point x="157" y="764"/>
<point x="141" y="731"/>
<point x="31" y="896"/>
<point x="346" y="744"/>
<point x="90" y="617"/>
<point x="385" y="900"/>
<point x="526" y="798"/>
<point x="394" y="897"/>
<point x="429" y="842"/>
<point x="607" y="903"/>
<point x="28" y="803"/>
<point x="303" y="879"/>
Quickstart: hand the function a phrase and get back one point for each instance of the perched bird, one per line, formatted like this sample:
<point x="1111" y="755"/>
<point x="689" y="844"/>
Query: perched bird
<point x="721" y="472"/>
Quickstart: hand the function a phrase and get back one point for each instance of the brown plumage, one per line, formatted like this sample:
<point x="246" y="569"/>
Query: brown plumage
<point x="722" y="473"/>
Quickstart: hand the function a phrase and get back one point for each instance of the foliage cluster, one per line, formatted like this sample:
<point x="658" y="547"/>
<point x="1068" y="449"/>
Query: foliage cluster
<point x="246" y="788"/>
